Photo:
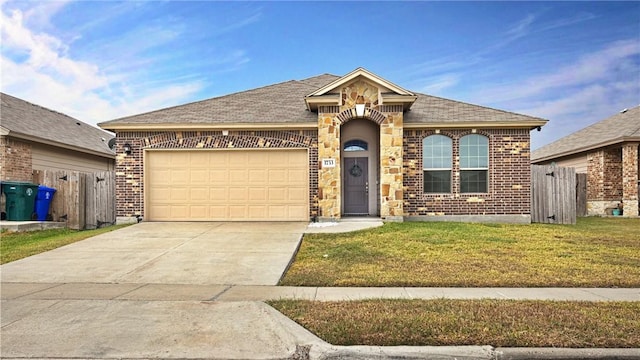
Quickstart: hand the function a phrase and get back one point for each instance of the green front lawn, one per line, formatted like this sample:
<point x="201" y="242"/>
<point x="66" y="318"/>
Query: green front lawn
<point x="18" y="245"/>
<point x="597" y="252"/>
<point x="506" y="323"/>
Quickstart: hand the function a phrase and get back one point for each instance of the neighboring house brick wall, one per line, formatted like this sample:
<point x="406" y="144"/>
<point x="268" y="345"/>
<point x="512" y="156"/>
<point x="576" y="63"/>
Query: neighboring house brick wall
<point x="15" y="164"/>
<point x="509" y="176"/>
<point x="604" y="180"/>
<point x="130" y="170"/>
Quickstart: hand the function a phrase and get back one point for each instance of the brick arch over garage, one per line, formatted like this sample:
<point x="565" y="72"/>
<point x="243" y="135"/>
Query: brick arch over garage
<point x="240" y="140"/>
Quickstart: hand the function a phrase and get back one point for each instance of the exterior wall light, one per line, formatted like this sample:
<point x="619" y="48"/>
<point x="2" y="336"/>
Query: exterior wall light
<point x="127" y="149"/>
<point x="360" y="106"/>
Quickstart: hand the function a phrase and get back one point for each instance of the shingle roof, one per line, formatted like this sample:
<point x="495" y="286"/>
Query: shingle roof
<point x="433" y="109"/>
<point x="278" y="103"/>
<point x="624" y="126"/>
<point x="284" y="103"/>
<point x="24" y="119"/>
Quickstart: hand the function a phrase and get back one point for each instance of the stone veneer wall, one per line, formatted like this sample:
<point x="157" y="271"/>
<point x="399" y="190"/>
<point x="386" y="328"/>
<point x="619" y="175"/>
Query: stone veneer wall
<point x="509" y="176"/>
<point x="630" y="179"/>
<point x="130" y="169"/>
<point x="15" y="162"/>
<point x="390" y="120"/>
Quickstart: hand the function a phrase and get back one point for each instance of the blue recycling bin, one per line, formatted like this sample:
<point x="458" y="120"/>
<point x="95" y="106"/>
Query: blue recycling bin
<point x="43" y="201"/>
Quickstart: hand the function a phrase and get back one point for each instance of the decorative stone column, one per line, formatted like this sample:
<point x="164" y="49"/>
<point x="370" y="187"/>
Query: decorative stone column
<point x="328" y="176"/>
<point x="391" y="161"/>
<point x="630" y="179"/>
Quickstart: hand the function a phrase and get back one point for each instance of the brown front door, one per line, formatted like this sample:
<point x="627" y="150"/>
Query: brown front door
<point x="356" y="186"/>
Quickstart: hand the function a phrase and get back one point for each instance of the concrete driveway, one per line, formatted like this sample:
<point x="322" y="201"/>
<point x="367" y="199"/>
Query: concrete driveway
<point x="169" y="253"/>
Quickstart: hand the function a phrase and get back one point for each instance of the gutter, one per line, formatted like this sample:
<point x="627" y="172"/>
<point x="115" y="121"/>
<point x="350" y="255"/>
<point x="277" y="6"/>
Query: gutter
<point x="218" y="126"/>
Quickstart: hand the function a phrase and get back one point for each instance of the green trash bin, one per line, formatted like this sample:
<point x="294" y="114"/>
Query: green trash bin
<point x="20" y="199"/>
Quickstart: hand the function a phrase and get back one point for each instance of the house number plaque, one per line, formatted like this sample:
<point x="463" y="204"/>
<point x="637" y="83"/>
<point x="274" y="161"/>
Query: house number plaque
<point x="328" y="163"/>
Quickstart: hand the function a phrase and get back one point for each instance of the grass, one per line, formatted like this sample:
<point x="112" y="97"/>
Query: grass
<point x="18" y="245"/>
<point x="597" y="252"/>
<point x="506" y="323"/>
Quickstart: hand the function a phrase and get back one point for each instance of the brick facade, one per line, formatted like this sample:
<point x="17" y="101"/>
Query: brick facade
<point x="15" y="162"/>
<point x="509" y="176"/>
<point x="612" y="179"/>
<point x="130" y="169"/>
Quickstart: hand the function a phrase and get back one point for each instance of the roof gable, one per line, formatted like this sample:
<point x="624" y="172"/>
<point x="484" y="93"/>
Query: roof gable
<point x="621" y="127"/>
<point x="22" y="119"/>
<point x="363" y="73"/>
<point x="334" y="93"/>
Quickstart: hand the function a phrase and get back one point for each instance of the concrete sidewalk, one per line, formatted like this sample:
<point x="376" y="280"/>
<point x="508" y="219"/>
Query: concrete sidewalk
<point x="141" y="321"/>
<point x="230" y="293"/>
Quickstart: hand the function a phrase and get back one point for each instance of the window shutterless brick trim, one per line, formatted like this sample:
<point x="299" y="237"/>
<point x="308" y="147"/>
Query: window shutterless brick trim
<point x="509" y="176"/>
<point x="130" y="169"/>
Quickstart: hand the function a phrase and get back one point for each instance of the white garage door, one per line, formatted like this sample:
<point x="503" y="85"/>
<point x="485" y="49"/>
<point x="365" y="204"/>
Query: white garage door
<point x="227" y="185"/>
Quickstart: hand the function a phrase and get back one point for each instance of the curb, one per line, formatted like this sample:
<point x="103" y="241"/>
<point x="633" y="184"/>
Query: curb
<point x="566" y="354"/>
<point x="330" y="352"/>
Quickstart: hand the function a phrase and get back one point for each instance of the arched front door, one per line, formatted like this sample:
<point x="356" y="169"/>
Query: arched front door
<point x="360" y="159"/>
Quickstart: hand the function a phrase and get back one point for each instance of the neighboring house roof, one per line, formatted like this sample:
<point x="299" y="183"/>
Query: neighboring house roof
<point x="284" y="104"/>
<point x="24" y="120"/>
<point x="621" y="127"/>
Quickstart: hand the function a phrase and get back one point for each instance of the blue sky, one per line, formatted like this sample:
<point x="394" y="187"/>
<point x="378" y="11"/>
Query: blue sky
<point x="573" y="63"/>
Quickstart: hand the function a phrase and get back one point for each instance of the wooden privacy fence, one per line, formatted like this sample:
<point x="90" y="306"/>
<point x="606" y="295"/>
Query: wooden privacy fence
<point x="82" y="200"/>
<point x="553" y="194"/>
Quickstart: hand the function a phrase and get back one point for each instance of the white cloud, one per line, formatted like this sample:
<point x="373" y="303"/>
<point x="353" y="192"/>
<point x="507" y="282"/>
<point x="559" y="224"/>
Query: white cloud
<point x="598" y="66"/>
<point x="36" y="66"/>
<point x="437" y="84"/>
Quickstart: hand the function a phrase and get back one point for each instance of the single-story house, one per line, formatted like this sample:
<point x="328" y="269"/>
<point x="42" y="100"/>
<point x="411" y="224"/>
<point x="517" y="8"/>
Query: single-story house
<point x="36" y="138"/>
<point x="321" y="149"/>
<point x="607" y="152"/>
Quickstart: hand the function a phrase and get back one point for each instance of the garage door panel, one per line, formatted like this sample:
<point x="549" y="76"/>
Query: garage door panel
<point x="296" y="176"/>
<point x="238" y="194"/>
<point x="227" y="185"/>
<point x="238" y="212"/>
<point x="238" y="175"/>
<point x="178" y="177"/>
<point x="297" y="194"/>
<point x="178" y="194"/>
<point x="159" y="193"/>
<point x="199" y="194"/>
<point x="257" y="176"/>
<point x="218" y="176"/>
<point x="198" y="211"/>
<point x="179" y="159"/>
<point x="199" y="176"/>
<point x="257" y="194"/>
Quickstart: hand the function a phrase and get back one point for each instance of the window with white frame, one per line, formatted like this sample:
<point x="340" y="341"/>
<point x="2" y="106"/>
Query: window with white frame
<point x="436" y="164"/>
<point x="474" y="164"/>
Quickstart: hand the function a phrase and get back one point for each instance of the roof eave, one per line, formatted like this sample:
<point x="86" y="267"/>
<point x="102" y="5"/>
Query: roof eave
<point x="218" y="126"/>
<point x="61" y="145"/>
<point x="528" y="124"/>
<point x="579" y="150"/>
<point x="314" y="102"/>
